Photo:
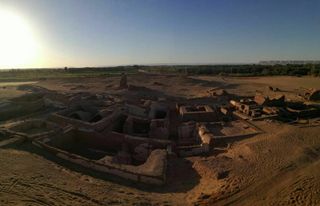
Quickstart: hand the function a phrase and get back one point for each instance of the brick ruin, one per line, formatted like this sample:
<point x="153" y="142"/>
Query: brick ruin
<point x="198" y="113"/>
<point x="134" y="138"/>
<point x="262" y="107"/>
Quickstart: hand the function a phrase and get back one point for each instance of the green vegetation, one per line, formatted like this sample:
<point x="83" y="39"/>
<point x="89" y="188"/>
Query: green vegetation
<point x="38" y="74"/>
<point x="240" y="70"/>
<point x="223" y="70"/>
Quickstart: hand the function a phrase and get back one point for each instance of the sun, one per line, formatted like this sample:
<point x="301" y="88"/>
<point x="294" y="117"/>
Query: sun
<point x="18" y="47"/>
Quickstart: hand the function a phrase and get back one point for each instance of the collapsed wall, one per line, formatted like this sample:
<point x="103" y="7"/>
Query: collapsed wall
<point x="275" y="101"/>
<point x="313" y="95"/>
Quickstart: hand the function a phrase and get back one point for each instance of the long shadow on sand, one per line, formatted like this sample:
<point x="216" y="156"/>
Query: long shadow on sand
<point x="181" y="177"/>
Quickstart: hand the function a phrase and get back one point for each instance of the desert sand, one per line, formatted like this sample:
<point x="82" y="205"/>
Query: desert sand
<point x="277" y="167"/>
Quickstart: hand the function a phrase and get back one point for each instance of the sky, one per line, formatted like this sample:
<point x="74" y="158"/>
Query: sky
<point x="77" y="33"/>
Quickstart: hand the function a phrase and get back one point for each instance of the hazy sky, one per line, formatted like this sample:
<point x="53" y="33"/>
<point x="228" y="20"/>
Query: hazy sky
<point x="117" y="32"/>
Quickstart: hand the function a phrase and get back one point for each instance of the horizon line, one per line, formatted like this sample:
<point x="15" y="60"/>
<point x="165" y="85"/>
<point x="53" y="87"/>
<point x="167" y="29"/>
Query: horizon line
<point x="262" y="62"/>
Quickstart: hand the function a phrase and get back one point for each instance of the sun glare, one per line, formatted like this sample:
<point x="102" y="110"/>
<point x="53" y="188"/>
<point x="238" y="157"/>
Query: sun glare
<point x="18" y="47"/>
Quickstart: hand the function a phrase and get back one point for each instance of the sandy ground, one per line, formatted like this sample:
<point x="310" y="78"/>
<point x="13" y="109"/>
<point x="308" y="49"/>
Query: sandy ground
<point x="278" y="167"/>
<point x="9" y="89"/>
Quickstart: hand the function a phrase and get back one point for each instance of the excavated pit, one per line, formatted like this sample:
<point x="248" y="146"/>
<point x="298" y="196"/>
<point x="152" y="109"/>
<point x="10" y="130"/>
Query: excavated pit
<point x="105" y="154"/>
<point x="3" y="136"/>
<point x="301" y="110"/>
<point x="83" y="144"/>
<point x="230" y="128"/>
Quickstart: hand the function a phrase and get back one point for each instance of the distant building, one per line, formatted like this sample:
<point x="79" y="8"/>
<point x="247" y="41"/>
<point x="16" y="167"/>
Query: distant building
<point x="285" y="62"/>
